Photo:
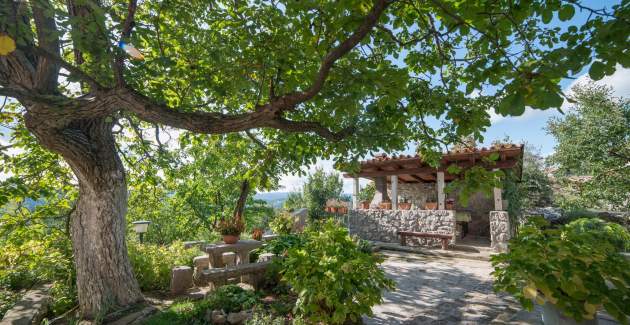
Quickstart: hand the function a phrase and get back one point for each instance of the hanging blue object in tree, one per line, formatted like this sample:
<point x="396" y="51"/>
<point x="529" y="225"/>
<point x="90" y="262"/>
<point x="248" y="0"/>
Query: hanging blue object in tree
<point x="131" y="50"/>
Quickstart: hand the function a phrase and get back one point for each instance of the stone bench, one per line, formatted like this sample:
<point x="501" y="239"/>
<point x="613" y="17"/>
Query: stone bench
<point x="253" y="272"/>
<point x="443" y="237"/>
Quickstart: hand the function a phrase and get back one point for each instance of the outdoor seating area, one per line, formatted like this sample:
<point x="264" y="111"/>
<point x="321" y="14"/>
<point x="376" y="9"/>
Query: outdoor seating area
<point x="408" y="184"/>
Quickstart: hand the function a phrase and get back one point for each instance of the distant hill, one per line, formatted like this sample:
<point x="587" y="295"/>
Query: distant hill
<point x="274" y="199"/>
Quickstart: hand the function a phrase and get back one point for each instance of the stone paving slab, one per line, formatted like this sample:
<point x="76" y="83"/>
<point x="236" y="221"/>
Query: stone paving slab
<point x="439" y="290"/>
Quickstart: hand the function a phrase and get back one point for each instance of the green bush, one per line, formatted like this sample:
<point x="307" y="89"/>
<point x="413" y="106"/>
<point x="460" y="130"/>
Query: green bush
<point x="232" y="298"/>
<point x="8" y="298"/>
<point x="334" y="279"/>
<point x="152" y="263"/>
<point x="566" y="268"/>
<point x="282" y="224"/>
<point x="601" y="231"/>
<point x="184" y="312"/>
<point x="283" y="243"/>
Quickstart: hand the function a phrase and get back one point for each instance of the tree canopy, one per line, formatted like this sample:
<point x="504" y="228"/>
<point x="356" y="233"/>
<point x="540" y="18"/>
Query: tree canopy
<point x="593" y="151"/>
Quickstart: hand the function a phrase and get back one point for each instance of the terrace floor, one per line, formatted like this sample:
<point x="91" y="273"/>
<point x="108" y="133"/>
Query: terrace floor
<point x="443" y="290"/>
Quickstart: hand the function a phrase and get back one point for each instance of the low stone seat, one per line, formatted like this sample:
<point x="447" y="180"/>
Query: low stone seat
<point x="443" y="237"/>
<point x="254" y="272"/>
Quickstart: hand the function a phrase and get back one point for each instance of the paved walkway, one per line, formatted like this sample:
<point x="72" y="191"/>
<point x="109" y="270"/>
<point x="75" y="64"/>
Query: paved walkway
<point x="439" y="290"/>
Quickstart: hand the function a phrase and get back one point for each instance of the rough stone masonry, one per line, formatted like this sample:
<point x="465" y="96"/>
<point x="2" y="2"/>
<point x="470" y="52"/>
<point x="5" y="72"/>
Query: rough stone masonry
<point x="382" y="225"/>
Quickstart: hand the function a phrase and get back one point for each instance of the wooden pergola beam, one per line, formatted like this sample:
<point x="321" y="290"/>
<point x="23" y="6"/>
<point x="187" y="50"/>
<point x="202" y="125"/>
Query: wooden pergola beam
<point x="505" y="164"/>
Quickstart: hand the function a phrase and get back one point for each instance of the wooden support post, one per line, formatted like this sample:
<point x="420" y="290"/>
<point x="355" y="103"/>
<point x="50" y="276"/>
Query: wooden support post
<point x="440" y="188"/>
<point x="394" y="192"/>
<point x="355" y="193"/>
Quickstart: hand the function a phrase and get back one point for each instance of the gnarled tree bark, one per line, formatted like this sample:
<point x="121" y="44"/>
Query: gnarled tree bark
<point x="104" y="276"/>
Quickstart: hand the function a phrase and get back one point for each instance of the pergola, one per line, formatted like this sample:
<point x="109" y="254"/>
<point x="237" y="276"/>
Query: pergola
<point x="412" y="169"/>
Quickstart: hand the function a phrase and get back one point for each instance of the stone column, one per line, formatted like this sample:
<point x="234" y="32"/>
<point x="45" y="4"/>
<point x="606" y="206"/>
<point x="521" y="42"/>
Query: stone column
<point x="355" y="193"/>
<point x="380" y="183"/>
<point x="498" y="200"/>
<point x="394" y="192"/>
<point x="440" y="188"/>
<point x="499" y="230"/>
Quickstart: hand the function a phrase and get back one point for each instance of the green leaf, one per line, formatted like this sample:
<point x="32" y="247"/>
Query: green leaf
<point x="596" y="72"/>
<point x="566" y="12"/>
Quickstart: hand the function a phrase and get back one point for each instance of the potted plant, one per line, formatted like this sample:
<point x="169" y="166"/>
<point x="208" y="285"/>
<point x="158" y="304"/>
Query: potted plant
<point x="404" y="204"/>
<point x="231" y="229"/>
<point x="431" y="203"/>
<point x="257" y="234"/>
<point x="365" y="205"/>
<point x="385" y="205"/>
<point x="569" y="273"/>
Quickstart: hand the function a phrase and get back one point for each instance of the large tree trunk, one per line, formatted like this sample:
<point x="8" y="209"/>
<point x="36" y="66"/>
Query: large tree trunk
<point x="104" y="276"/>
<point x="242" y="199"/>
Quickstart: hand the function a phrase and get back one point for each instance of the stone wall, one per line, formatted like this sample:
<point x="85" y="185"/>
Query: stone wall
<point x="382" y="225"/>
<point x="479" y="204"/>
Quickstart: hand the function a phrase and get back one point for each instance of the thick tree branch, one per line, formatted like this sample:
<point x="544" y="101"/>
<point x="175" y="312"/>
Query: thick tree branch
<point x="289" y="101"/>
<point x="126" y="32"/>
<point x="267" y="115"/>
<point x="47" y="38"/>
<point x="76" y="72"/>
<point x="309" y="126"/>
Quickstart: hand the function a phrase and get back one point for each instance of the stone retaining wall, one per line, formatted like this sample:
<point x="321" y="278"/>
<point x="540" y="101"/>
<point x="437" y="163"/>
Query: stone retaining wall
<point x="382" y="225"/>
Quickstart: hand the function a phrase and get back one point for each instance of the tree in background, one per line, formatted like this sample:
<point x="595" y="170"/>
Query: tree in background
<point x="367" y="192"/>
<point x="593" y="151"/>
<point x="319" y="188"/>
<point x="532" y="188"/>
<point x="319" y="78"/>
<point x="294" y="200"/>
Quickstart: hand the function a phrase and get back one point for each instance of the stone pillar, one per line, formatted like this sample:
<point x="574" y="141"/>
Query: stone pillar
<point x="355" y="193"/>
<point x="201" y="264"/>
<point x="440" y="189"/>
<point x="498" y="200"/>
<point x="394" y="192"/>
<point x="499" y="230"/>
<point x="181" y="279"/>
<point x="380" y="183"/>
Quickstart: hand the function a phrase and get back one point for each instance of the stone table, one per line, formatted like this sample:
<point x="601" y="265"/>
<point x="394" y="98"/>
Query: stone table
<point x="242" y="248"/>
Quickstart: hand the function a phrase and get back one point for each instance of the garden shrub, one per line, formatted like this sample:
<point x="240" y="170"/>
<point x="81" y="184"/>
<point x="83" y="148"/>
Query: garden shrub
<point x="599" y="231"/>
<point x="566" y="268"/>
<point x="335" y="280"/>
<point x="282" y="224"/>
<point x="183" y="312"/>
<point x="8" y="298"/>
<point x="232" y="298"/>
<point x="152" y="263"/>
<point x="31" y="255"/>
<point x="282" y="243"/>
